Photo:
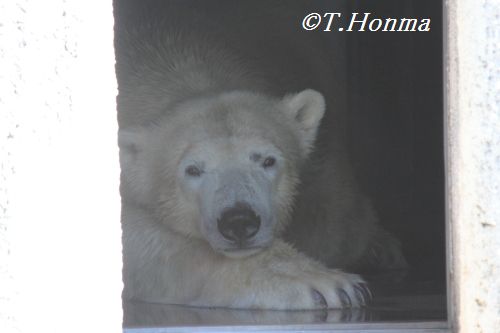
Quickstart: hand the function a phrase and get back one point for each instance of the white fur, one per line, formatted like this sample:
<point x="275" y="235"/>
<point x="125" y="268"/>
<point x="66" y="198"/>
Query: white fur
<point x="307" y="108"/>
<point x="188" y="101"/>
<point x="165" y="267"/>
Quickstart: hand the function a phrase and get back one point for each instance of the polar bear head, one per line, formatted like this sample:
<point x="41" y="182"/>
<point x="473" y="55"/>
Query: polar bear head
<point x="222" y="168"/>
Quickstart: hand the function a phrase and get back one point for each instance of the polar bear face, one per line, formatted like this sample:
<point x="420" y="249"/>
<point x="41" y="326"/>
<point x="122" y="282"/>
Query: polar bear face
<point x="236" y="186"/>
<point x="223" y="169"/>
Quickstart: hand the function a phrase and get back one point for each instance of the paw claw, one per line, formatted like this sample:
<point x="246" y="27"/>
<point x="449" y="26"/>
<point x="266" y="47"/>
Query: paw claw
<point x="366" y="292"/>
<point x="360" y="295"/>
<point x="344" y="298"/>
<point x="319" y="299"/>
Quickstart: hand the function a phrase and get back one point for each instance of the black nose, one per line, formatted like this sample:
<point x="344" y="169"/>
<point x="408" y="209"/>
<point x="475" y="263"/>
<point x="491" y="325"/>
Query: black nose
<point x="238" y="223"/>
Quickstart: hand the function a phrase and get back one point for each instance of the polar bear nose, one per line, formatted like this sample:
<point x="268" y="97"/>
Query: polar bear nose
<point x="238" y="223"/>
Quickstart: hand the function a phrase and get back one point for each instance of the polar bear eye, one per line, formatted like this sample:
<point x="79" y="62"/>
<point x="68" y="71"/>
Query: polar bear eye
<point x="269" y="162"/>
<point x="193" y="171"/>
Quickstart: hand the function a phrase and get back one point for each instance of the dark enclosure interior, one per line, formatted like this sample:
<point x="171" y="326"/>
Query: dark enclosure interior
<point x="396" y="137"/>
<point x="394" y="132"/>
<point x="396" y="128"/>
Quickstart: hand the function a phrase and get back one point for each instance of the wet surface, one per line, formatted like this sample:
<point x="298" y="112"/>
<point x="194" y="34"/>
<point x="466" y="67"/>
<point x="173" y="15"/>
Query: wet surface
<point x="396" y="299"/>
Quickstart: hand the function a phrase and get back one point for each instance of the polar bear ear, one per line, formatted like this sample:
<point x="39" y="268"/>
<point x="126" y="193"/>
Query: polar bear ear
<point x="130" y="141"/>
<point x="306" y="108"/>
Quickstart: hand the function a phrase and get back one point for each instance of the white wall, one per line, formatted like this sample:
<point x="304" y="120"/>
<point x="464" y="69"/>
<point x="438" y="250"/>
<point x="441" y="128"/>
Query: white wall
<point x="60" y="251"/>
<point x="474" y="159"/>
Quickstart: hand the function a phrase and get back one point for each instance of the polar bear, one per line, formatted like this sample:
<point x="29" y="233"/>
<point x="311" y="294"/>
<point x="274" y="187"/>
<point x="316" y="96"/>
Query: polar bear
<point x="223" y="203"/>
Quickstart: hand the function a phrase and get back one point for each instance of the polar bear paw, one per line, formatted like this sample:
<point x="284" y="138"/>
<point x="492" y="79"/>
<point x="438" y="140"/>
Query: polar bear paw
<point x="296" y="283"/>
<point x="321" y="289"/>
<point x="283" y="278"/>
<point x="354" y="295"/>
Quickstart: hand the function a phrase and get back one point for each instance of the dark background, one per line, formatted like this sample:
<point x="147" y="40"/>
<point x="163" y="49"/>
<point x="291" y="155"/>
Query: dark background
<point x="395" y="131"/>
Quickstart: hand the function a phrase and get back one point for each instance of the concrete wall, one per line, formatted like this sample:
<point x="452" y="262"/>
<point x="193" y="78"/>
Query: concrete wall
<point x="60" y="251"/>
<point x="474" y="161"/>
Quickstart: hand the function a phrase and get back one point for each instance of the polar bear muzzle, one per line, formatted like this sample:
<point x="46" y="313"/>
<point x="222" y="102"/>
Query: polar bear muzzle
<point x="238" y="223"/>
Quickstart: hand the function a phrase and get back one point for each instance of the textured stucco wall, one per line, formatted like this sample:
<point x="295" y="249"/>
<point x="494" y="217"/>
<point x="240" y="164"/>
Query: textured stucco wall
<point x="60" y="251"/>
<point x="474" y="159"/>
